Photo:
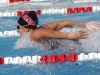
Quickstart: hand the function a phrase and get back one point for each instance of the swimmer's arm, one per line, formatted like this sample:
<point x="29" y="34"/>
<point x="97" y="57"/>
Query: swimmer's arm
<point x="60" y="35"/>
<point x="45" y="26"/>
<point x="55" y="35"/>
<point x="64" y="23"/>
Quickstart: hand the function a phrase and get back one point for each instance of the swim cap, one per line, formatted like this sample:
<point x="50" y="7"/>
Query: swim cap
<point x="28" y="20"/>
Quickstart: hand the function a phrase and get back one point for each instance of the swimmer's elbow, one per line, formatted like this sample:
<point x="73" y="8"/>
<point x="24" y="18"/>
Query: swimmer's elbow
<point x="47" y="34"/>
<point x="55" y="34"/>
<point x="52" y="34"/>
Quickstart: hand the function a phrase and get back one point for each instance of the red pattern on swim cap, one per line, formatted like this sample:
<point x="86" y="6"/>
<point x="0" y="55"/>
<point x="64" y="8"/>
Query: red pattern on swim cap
<point x="28" y="20"/>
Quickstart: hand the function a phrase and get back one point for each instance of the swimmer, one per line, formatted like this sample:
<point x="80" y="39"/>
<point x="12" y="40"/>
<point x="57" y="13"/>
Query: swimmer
<point x="28" y="23"/>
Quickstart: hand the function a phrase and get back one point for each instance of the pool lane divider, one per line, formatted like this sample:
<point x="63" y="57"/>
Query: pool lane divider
<point x="9" y="33"/>
<point x="49" y="59"/>
<point x="53" y="11"/>
<point x="16" y="1"/>
<point x="75" y="2"/>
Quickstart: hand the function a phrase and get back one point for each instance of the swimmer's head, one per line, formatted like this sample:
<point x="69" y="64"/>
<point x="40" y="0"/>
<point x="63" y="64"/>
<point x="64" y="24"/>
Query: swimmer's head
<point x="29" y="20"/>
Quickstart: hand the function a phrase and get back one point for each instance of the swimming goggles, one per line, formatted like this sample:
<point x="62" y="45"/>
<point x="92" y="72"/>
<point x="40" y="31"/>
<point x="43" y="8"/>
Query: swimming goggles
<point x="18" y="27"/>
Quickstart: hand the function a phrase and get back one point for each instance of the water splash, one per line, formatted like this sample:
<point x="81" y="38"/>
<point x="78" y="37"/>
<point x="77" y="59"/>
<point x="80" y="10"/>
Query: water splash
<point x="24" y="41"/>
<point x="51" y="44"/>
<point x="90" y="44"/>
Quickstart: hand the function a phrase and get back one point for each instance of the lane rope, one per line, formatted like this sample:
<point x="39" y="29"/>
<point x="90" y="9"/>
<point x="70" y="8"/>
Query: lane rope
<point x="75" y="1"/>
<point x="49" y="59"/>
<point x="14" y="1"/>
<point x="53" y="11"/>
<point x="9" y="33"/>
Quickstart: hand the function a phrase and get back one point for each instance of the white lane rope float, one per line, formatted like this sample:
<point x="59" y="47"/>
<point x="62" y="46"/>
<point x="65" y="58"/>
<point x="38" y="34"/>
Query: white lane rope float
<point x="49" y="59"/>
<point x="9" y="33"/>
<point x="52" y="11"/>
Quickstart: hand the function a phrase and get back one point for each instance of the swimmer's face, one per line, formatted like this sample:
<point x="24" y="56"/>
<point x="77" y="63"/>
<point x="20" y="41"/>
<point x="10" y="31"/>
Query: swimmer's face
<point x="21" y="29"/>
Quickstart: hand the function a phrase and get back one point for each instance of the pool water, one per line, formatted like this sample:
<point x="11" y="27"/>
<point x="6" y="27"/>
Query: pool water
<point x="90" y="44"/>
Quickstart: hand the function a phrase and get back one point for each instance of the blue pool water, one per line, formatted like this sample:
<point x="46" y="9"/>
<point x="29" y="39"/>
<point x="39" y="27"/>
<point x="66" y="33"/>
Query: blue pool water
<point x="90" y="44"/>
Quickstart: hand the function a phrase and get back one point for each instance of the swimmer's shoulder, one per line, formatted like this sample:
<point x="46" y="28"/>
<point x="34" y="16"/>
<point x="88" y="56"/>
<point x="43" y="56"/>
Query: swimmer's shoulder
<point x="45" y="26"/>
<point x="37" y="33"/>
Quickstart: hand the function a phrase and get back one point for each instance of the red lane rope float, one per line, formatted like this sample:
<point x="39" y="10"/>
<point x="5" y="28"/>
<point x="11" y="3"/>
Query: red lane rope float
<point x="19" y="13"/>
<point x="1" y="60"/>
<point x="58" y="58"/>
<point x="79" y="10"/>
<point x="12" y="1"/>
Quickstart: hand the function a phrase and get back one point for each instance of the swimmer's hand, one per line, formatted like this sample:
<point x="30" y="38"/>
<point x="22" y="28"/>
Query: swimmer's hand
<point x="78" y="35"/>
<point x="78" y="41"/>
<point x="93" y="25"/>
